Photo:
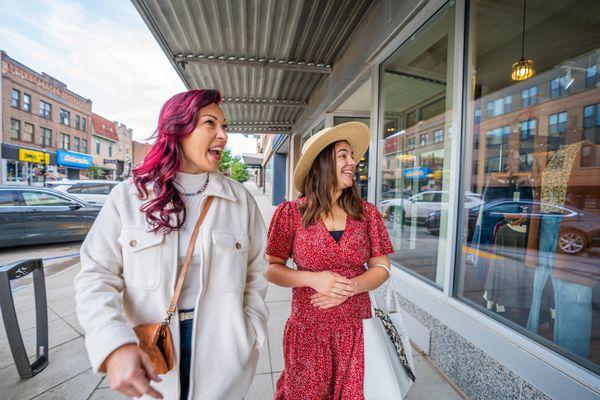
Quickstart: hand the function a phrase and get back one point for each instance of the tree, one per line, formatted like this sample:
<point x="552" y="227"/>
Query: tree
<point x="95" y="172"/>
<point x="239" y="170"/>
<point x="226" y="161"/>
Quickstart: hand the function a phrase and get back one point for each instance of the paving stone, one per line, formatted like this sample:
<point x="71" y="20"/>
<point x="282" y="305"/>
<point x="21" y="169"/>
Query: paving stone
<point x="280" y="311"/>
<point x="66" y="361"/>
<point x="261" y="389"/>
<point x="79" y="387"/>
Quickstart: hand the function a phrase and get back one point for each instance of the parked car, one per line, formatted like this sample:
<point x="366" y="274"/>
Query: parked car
<point x="578" y="228"/>
<point x="421" y="204"/>
<point x="36" y="215"/>
<point x="91" y="191"/>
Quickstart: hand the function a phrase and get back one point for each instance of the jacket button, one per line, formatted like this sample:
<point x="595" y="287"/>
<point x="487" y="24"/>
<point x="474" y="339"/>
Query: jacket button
<point x="133" y="243"/>
<point x="238" y="246"/>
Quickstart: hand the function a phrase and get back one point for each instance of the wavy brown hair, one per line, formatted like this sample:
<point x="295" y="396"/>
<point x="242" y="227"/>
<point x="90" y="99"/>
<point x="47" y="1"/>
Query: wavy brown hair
<point x="318" y="185"/>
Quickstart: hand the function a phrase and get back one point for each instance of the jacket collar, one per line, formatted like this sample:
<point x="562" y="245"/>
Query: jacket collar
<point x="220" y="186"/>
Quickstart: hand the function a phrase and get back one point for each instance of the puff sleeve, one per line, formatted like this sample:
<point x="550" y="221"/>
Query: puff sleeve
<point x="280" y="239"/>
<point x="378" y="234"/>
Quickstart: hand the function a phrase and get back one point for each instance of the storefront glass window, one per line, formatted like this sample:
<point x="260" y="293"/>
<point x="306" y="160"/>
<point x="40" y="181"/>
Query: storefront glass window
<point x="530" y="251"/>
<point x="413" y="183"/>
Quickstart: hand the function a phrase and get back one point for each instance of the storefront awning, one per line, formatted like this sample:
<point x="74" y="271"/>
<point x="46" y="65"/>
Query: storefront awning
<point x="265" y="57"/>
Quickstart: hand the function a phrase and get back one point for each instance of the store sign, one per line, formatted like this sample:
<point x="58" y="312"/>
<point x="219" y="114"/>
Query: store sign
<point x="416" y="173"/>
<point x="109" y="161"/>
<point x="33" y="156"/>
<point x="76" y="160"/>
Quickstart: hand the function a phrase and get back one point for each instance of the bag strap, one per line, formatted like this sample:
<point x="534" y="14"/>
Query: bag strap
<point x="186" y="262"/>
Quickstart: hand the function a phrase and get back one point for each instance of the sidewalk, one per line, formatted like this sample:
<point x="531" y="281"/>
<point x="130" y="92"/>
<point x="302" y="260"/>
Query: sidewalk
<point x="69" y="376"/>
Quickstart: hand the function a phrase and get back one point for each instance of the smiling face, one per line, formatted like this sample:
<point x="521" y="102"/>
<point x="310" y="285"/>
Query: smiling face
<point x="344" y="165"/>
<point x="202" y="149"/>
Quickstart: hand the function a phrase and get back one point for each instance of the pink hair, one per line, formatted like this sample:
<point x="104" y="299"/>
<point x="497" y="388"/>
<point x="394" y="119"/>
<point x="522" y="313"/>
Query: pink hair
<point x="178" y="118"/>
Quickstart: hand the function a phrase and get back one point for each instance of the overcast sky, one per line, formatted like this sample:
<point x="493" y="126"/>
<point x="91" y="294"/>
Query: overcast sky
<point x="102" y="50"/>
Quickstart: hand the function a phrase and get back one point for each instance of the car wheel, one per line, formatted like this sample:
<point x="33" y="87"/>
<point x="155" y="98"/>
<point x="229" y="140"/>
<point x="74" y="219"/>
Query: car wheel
<point x="571" y="242"/>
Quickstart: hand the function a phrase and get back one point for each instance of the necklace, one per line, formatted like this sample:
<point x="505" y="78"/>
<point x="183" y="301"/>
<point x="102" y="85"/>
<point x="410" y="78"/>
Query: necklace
<point x="202" y="189"/>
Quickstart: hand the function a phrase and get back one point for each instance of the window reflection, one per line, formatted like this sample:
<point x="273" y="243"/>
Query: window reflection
<point x="415" y="151"/>
<point x="531" y="247"/>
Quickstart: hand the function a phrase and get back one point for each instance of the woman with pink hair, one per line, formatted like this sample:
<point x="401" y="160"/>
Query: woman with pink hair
<point x="177" y="210"/>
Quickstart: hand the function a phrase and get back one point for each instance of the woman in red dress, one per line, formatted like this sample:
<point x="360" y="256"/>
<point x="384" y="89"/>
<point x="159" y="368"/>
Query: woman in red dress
<point x="331" y="235"/>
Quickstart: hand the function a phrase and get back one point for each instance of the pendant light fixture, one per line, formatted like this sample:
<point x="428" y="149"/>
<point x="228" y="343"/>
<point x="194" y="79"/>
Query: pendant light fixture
<point x="523" y="69"/>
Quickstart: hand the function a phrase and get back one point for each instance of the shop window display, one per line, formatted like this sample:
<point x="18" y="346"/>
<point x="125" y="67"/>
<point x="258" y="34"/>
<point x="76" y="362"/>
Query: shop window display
<point x="531" y="248"/>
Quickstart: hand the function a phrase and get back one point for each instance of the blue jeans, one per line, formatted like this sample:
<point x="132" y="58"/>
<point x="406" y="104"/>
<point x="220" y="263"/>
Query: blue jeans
<point x="185" y="334"/>
<point x="573" y="302"/>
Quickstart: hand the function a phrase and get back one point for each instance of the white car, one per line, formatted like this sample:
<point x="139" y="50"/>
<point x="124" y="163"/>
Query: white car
<point x="90" y="191"/>
<point x="421" y="204"/>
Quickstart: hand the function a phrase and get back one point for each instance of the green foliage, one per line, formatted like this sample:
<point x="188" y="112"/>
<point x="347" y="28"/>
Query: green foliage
<point x="233" y="166"/>
<point x="95" y="172"/>
<point x="239" y="170"/>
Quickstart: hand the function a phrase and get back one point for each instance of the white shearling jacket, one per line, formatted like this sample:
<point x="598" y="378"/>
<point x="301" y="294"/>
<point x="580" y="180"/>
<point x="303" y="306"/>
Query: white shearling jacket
<point x="128" y="277"/>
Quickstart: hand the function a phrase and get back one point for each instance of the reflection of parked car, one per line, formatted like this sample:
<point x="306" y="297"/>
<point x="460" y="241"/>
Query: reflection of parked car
<point x="34" y="215"/>
<point x="578" y="229"/>
<point x="91" y="191"/>
<point x="421" y="204"/>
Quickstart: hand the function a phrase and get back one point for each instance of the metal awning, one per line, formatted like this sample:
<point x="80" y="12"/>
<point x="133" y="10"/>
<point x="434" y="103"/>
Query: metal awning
<point x="265" y="56"/>
<point x="253" y="160"/>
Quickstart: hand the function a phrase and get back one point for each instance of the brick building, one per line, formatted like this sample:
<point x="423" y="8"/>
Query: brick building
<point x="45" y="127"/>
<point x="105" y="142"/>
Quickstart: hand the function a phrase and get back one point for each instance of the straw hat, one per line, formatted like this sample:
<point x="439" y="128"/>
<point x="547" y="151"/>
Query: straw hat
<point x="357" y="135"/>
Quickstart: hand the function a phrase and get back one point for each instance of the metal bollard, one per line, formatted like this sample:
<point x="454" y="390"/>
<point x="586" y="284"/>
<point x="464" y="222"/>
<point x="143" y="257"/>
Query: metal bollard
<point x="12" y="272"/>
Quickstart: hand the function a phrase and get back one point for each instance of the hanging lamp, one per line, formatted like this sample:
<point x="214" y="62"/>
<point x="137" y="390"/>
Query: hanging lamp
<point x="522" y="69"/>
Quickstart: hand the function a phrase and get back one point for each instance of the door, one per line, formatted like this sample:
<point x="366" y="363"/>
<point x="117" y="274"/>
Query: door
<point x="11" y="219"/>
<point x="49" y="217"/>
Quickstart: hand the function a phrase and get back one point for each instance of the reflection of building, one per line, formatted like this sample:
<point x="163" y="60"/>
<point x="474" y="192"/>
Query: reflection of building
<point x="45" y="127"/>
<point x="434" y="79"/>
<point x="105" y="142"/>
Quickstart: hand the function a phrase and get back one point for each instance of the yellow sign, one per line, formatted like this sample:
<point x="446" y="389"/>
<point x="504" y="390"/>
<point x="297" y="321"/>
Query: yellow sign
<point x="34" y="156"/>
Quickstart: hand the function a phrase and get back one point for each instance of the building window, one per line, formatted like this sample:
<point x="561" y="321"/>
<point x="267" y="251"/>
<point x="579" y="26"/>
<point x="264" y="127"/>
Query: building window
<point x="557" y="129"/>
<point x="526" y="258"/>
<point x="84" y="146"/>
<point x="77" y="122"/>
<point x="529" y="96"/>
<point x="83" y="124"/>
<point x="558" y="87"/>
<point x="97" y="147"/>
<point x="527" y="129"/>
<point x="65" y="141"/>
<point x="500" y="106"/>
<point x="15" y="129"/>
<point x="496" y="146"/>
<point x="65" y="117"/>
<point x="591" y="123"/>
<point x="45" y="110"/>
<point x="46" y="137"/>
<point x="28" y="132"/>
<point x="477" y="116"/>
<point x="26" y="102"/>
<point x="110" y="150"/>
<point x="414" y="184"/>
<point x="76" y="144"/>
<point x="527" y="135"/>
<point x="591" y="77"/>
<point x="16" y="98"/>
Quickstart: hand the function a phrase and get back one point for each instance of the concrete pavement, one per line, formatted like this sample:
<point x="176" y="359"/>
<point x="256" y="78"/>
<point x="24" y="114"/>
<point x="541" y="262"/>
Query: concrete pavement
<point x="69" y="376"/>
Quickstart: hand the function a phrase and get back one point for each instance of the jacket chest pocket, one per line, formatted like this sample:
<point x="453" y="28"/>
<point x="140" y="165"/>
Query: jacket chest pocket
<point x="230" y="260"/>
<point x="141" y="257"/>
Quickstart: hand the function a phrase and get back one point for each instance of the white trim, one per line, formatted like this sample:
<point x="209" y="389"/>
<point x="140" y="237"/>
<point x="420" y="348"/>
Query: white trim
<point x="372" y="186"/>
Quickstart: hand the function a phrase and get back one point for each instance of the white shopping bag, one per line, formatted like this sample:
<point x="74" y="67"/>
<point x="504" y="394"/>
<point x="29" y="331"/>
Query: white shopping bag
<point x="385" y="375"/>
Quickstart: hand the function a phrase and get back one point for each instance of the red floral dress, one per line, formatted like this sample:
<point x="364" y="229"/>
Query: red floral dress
<point x="323" y="349"/>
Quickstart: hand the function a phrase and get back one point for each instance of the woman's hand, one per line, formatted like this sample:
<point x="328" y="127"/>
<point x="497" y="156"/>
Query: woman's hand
<point x="332" y="285"/>
<point x="130" y="371"/>
<point x="324" y="302"/>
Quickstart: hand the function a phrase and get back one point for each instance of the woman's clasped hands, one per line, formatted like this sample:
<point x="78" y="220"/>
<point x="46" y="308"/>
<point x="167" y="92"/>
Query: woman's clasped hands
<point x="332" y="289"/>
